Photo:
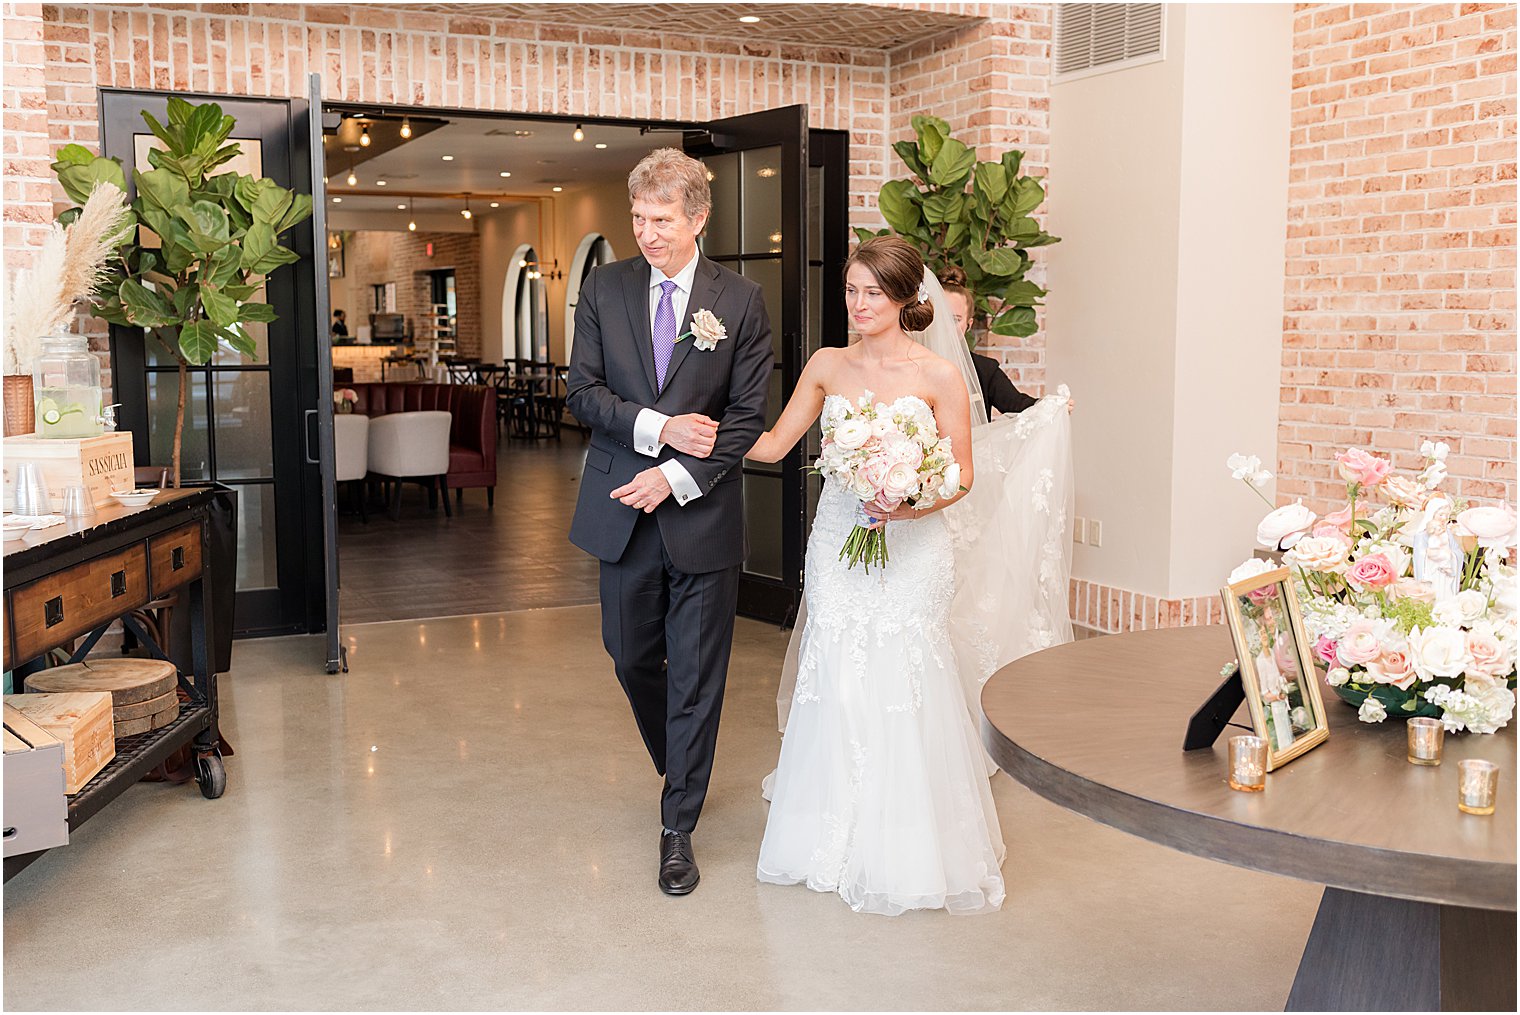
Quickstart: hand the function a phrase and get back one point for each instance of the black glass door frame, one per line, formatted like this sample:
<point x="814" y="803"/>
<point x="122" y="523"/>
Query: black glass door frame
<point x="296" y="600"/>
<point x="782" y="133"/>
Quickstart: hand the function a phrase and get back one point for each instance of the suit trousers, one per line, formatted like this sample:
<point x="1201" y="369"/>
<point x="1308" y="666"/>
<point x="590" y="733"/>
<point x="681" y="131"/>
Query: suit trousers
<point x="669" y="635"/>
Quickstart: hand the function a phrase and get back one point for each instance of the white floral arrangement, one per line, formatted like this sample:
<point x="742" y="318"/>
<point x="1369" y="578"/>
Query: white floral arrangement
<point x="1412" y="603"/>
<point x="887" y="456"/>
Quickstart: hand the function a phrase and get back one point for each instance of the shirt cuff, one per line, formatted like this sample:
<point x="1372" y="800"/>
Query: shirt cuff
<point x="646" y="432"/>
<point x="682" y="486"/>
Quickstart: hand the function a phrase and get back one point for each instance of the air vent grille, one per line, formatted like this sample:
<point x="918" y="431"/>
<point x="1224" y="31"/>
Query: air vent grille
<point x="1097" y="37"/>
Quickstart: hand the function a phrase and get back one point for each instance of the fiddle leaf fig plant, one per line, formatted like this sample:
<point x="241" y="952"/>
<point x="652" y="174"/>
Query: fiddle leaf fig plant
<point x="206" y="240"/>
<point x="974" y="215"/>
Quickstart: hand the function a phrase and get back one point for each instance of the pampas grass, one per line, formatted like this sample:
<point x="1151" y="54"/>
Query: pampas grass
<point x="70" y="266"/>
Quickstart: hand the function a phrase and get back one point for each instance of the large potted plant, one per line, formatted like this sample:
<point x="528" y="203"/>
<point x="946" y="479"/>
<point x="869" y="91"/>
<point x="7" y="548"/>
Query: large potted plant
<point x="976" y="215"/>
<point x="206" y="242"/>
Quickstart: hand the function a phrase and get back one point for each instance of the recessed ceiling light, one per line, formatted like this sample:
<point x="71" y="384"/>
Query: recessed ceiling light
<point x="601" y="144"/>
<point x="495" y="204"/>
<point x="401" y="207"/>
<point x="558" y="189"/>
<point x="379" y="183"/>
<point x="337" y="200"/>
<point x="749" y="19"/>
<point x="503" y="174"/>
<point x="522" y="133"/>
<point x="448" y="158"/>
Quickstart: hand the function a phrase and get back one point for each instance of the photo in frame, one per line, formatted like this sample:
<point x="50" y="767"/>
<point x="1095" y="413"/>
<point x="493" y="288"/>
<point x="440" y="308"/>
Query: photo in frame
<point x="1276" y="664"/>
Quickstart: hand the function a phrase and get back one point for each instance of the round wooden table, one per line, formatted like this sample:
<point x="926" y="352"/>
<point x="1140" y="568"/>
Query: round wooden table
<point x="1419" y="909"/>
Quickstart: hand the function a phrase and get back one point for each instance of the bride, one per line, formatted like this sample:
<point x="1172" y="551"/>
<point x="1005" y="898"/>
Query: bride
<point x="881" y="792"/>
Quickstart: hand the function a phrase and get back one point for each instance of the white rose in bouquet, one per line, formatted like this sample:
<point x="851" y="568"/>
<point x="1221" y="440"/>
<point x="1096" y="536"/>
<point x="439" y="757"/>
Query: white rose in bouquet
<point x="1250" y="569"/>
<point x="1487" y="654"/>
<point x="952" y="482"/>
<point x="1372" y="710"/>
<point x="1326" y="554"/>
<point x="1284" y="527"/>
<point x="1337" y="675"/>
<point x="1493" y="526"/>
<point x="852" y="434"/>
<point x="901" y="481"/>
<point x="1438" y="651"/>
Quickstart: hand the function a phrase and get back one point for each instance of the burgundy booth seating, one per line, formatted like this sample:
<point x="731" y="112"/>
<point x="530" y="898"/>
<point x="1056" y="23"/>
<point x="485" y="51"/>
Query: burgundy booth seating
<point x="472" y="434"/>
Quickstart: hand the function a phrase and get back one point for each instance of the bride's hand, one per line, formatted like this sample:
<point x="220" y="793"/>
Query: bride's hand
<point x="901" y="514"/>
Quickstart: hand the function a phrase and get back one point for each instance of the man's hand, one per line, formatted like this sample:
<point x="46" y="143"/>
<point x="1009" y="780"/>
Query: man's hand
<point x="648" y="489"/>
<point x="693" y="434"/>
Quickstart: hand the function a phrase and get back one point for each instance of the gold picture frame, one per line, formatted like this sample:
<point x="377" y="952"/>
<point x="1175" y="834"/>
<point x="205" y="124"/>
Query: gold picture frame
<point x="1276" y="664"/>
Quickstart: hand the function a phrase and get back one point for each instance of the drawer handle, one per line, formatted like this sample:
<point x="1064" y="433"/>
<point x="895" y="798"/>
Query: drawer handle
<point x="52" y="611"/>
<point x="118" y="584"/>
<point x="177" y="558"/>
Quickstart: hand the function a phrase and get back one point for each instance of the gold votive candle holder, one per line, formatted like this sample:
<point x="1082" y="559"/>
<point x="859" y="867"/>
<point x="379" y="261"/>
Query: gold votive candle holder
<point x="1248" y="764"/>
<point x="1477" y="786"/>
<point x="1426" y="739"/>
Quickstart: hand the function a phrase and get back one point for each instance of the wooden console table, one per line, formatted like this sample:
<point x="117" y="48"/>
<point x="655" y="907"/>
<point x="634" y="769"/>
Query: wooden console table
<point x="70" y="582"/>
<point x="1419" y="909"/>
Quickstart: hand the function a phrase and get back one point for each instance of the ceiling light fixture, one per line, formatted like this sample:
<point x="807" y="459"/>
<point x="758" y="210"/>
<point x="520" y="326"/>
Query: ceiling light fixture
<point x="448" y="158"/>
<point x="401" y="207"/>
<point x="749" y="19"/>
<point x="557" y="189"/>
<point x="353" y="181"/>
<point x="503" y="174"/>
<point x="601" y="144"/>
<point x="364" y="137"/>
<point x="337" y="200"/>
<point x="579" y="135"/>
<point x="411" y="226"/>
<point x="467" y="213"/>
<point x="379" y="183"/>
<point x="406" y="127"/>
<point x="495" y="204"/>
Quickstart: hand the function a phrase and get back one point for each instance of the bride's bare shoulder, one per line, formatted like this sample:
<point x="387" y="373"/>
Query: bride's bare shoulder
<point x="825" y="359"/>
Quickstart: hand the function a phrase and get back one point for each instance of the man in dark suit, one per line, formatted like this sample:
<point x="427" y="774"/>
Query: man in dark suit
<point x="671" y="366"/>
<point x="998" y="391"/>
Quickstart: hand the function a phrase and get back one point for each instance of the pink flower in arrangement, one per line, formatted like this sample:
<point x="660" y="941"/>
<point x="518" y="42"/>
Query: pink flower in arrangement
<point x="1359" y="645"/>
<point x="1373" y="571"/>
<point x="1325" y="650"/>
<point x="1339" y="520"/>
<point x="1393" y="666"/>
<point x="1357" y="466"/>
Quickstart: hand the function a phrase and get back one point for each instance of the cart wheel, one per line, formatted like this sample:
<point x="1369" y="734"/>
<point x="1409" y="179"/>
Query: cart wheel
<point x="211" y="775"/>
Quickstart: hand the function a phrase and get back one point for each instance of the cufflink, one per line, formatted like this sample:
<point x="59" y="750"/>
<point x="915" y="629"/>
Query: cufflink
<point x="684" y="497"/>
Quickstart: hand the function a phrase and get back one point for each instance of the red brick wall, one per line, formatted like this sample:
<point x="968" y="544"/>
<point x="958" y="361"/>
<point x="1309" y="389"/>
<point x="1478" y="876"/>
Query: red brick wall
<point x="991" y="83"/>
<point x="375" y="257"/>
<point x="27" y="153"/>
<point x="1399" y="310"/>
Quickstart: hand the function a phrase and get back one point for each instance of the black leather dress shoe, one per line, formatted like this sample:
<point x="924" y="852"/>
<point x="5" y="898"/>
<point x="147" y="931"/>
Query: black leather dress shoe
<point x="678" y="870"/>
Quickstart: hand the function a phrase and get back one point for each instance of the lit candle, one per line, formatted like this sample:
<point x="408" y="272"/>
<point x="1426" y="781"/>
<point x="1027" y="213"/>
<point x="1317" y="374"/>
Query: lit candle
<point x="1248" y="764"/>
<point x="1477" y="786"/>
<point x="1425" y="741"/>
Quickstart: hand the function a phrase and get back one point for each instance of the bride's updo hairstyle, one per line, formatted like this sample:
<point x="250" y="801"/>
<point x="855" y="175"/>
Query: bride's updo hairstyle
<point x="899" y="270"/>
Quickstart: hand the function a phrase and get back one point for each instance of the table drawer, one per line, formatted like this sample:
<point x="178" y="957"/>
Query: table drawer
<point x="174" y="558"/>
<point x="75" y="601"/>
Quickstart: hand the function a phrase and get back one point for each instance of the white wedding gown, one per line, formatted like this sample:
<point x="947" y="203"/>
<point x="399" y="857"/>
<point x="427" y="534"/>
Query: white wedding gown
<point x="881" y="792"/>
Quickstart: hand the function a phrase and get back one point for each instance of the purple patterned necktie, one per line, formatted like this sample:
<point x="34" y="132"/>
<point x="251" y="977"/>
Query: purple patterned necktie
<point x="664" y="332"/>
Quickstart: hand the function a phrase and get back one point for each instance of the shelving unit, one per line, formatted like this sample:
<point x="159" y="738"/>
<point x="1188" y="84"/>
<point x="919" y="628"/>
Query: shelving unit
<point x="440" y="338"/>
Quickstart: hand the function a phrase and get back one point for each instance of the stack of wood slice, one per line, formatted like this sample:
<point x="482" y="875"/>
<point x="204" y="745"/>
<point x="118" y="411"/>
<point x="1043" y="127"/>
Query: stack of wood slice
<point x="143" y="691"/>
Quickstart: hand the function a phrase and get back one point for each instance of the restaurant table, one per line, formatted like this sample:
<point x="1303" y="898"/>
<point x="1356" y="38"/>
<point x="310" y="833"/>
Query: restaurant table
<point x="1418" y="911"/>
<point x="66" y="584"/>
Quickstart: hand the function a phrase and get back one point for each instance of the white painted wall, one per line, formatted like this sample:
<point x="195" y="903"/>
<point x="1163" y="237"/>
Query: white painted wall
<point x="1169" y="190"/>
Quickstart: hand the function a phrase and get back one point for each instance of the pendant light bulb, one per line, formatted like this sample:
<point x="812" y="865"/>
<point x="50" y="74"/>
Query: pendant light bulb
<point x="353" y="180"/>
<point x="411" y="225"/>
<point x="579" y="135"/>
<point x="364" y="137"/>
<point x="406" y="128"/>
<point x="467" y="213"/>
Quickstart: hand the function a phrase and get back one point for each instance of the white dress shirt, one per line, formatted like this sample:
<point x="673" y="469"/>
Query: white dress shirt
<point x="649" y="424"/>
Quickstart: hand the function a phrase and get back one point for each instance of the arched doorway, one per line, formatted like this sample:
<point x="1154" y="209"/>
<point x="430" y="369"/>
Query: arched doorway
<point x="594" y="249"/>
<point x="524" y="309"/>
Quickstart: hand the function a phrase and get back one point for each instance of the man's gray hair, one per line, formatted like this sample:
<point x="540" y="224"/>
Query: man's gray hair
<point x="669" y="174"/>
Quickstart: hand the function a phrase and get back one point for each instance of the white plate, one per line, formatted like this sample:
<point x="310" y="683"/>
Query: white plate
<point x="134" y="498"/>
<point x="15" y="528"/>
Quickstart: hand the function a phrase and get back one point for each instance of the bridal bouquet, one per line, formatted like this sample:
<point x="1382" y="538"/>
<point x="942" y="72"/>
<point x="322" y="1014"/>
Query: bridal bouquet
<point x="1412" y="601"/>
<point x="887" y="456"/>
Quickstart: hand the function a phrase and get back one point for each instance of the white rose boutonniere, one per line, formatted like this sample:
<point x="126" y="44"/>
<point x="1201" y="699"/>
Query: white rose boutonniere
<point x="706" y="331"/>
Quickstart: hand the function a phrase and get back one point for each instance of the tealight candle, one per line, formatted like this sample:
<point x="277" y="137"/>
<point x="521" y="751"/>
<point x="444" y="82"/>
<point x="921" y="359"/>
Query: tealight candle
<point x="1477" y="786"/>
<point x="1248" y="764"/>
<point x="1425" y="740"/>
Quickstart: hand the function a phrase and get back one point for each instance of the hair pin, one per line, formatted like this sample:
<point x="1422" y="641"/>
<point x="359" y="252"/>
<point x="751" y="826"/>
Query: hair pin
<point x="923" y="293"/>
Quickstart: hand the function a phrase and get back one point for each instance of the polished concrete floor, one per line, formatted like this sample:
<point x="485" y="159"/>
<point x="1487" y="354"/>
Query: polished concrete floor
<point x="468" y="820"/>
<point x="515" y="556"/>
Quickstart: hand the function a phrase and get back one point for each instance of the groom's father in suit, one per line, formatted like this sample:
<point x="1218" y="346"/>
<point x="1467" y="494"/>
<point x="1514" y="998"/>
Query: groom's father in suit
<point x="671" y="366"/>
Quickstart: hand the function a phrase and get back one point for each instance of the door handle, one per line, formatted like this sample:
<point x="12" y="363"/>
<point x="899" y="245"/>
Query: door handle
<point x="306" y="451"/>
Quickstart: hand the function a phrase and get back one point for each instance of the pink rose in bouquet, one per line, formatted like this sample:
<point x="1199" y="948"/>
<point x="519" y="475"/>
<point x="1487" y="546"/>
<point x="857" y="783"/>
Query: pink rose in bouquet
<point x="1359" y="646"/>
<point x="1324" y="648"/>
<point x="1393" y="666"/>
<point x="1373" y="571"/>
<point x="1357" y="466"/>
